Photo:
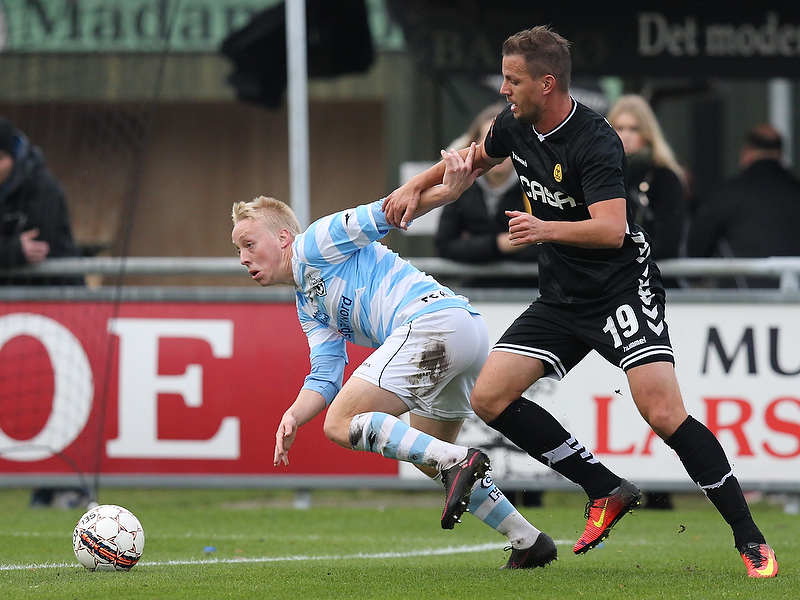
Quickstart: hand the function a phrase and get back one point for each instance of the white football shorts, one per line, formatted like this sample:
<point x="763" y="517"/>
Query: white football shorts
<point x="431" y="363"/>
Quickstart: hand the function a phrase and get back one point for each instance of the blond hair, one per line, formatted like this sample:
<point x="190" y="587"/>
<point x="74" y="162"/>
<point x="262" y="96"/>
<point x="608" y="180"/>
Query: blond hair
<point x="276" y="215"/>
<point x="649" y="129"/>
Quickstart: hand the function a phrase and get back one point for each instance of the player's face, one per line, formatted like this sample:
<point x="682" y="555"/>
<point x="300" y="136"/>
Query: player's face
<point x="524" y="92"/>
<point x="627" y="127"/>
<point x="260" y="251"/>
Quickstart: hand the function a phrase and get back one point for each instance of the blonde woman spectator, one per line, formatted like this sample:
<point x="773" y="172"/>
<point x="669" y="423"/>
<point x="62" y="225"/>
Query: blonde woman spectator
<point x="654" y="181"/>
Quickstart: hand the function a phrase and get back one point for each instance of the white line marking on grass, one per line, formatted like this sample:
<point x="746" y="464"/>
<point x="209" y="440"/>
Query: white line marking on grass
<point x="267" y="559"/>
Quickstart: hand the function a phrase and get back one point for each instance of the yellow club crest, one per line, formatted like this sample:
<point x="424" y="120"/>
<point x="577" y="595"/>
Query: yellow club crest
<point x="557" y="172"/>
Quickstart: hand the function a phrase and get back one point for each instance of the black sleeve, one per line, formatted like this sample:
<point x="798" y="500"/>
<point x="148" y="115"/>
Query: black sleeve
<point x="602" y="167"/>
<point x="494" y="143"/>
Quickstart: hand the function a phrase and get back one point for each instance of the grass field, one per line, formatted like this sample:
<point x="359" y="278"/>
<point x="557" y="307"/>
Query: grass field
<point x="383" y="545"/>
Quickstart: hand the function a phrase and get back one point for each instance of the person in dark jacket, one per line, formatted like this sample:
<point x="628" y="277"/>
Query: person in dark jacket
<point x="754" y="215"/>
<point x="474" y="229"/>
<point x="654" y="180"/>
<point x="34" y="226"/>
<point x="34" y="220"/>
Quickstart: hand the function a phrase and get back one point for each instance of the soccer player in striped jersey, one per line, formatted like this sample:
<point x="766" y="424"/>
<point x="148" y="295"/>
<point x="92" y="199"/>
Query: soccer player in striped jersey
<point x="430" y="346"/>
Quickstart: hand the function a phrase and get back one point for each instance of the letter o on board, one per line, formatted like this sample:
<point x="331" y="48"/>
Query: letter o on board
<point x="74" y="387"/>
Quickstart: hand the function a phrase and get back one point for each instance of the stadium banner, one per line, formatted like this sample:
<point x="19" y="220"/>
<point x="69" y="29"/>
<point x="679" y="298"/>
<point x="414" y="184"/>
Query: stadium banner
<point x="636" y="38"/>
<point x="644" y="38"/>
<point x="197" y="389"/>
<point x="158" y="388"/>
<point x="125" y="26"/>
<point x="122" y="25"/>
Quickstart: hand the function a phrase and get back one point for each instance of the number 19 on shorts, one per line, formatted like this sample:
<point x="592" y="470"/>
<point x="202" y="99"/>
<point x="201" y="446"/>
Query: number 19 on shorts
<point x="623" y="321"/>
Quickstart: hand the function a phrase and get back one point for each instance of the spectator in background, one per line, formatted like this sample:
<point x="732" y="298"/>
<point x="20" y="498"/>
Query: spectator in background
<point x="654" y="181"/>
<point x="474" y="228"/>
<point x="34" y="226"/>
<point x="34" y="221"/>
<point x="755" y="214"/>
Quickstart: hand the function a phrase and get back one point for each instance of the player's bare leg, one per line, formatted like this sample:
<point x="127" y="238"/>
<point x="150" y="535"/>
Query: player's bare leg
<point x="497" y="398"/>
<point x="364" y="417"/>
<point x="503" y="379"/>
<point x="358" y="398"/>
<point x="657" y="395"/>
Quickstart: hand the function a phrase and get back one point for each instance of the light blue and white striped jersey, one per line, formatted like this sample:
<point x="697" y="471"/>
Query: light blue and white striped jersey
<point x="352" y="288"/>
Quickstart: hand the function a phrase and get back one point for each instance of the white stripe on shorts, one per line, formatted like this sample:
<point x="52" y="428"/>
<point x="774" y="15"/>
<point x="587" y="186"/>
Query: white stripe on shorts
<point x="644" y="353"/>
<point x="542" y="355"/>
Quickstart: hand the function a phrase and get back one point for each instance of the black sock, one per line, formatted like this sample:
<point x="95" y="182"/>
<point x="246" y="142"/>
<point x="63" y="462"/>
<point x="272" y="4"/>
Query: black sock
<point x="539" y="434"/>
<point x="704" y="459"/>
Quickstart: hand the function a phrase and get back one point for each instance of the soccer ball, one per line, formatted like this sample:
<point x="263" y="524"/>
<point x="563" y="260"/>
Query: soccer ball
<point x="108" y="538"/>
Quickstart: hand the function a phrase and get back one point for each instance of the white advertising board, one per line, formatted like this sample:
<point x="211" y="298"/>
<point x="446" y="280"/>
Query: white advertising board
<point x="739" y="370"/>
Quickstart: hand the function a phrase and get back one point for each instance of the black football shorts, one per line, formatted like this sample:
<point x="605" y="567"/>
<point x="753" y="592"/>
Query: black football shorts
<point x="627" y="330"/>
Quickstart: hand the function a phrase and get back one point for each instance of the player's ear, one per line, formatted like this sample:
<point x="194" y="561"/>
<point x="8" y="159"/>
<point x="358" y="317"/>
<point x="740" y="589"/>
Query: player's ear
<point x="548" y="83"/>
<point x="285" y="237"/>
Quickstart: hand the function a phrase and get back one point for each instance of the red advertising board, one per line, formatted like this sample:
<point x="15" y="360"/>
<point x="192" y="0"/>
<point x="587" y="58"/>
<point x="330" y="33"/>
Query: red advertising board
<point x="194" y="391"/>
<point x="159" y="388"/>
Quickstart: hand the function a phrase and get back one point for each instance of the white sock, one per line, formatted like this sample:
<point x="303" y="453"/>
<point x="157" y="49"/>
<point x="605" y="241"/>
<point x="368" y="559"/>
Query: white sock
<point x="488" y="504"/>
<point x="389" y="436"/>
<point x="491" y="506"/>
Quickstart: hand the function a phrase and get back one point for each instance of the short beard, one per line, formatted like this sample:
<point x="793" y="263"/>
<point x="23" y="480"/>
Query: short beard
<point x="532" y="117"/>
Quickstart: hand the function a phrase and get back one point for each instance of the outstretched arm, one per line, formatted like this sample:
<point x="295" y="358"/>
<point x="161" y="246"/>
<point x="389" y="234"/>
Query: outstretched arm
<point x="307" y="406"/>
<point x="459" y="175"/>
<point x="402" y="204"/>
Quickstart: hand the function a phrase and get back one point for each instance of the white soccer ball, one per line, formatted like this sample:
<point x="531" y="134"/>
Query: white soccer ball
<point x="108" y="538"/>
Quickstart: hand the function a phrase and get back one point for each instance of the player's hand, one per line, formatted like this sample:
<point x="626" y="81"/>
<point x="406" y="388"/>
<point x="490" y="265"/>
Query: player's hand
<point x="524" y="228"/>
<point x="284" y="438"/>
<point x="459" y="174"/>
<point x="400" y="205"/>
<point x="35" y="251"/>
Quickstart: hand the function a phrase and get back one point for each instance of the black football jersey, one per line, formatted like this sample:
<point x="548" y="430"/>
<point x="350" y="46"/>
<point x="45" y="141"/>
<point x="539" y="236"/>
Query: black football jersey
<point x="580" y="162"/>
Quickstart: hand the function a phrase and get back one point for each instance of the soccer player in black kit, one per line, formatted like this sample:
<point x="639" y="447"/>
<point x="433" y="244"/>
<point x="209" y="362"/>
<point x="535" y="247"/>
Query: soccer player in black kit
<point x="599" y="290"/>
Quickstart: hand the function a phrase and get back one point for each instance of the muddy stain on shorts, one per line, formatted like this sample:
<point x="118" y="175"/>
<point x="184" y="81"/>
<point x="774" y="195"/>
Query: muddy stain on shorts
<point x="432" y="364"/>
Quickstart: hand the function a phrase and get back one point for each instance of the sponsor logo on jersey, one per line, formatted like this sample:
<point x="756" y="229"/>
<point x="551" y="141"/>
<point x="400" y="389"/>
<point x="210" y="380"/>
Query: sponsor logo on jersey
<point x="634" y="344"/>
<point x="343" y="315"/>
<point x="557" y="175"/>
<point x="518" y="159"/>
<point x="438" y="295"/>
<point x="539" y="193"/>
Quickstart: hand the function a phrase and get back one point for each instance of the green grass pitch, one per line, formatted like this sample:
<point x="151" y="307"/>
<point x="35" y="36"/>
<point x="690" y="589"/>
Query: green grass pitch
<point x="383" y="545"/>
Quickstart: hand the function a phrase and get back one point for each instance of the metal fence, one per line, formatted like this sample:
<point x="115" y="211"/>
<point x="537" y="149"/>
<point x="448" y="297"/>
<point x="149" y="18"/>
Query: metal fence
<point x="784" y="269"/>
